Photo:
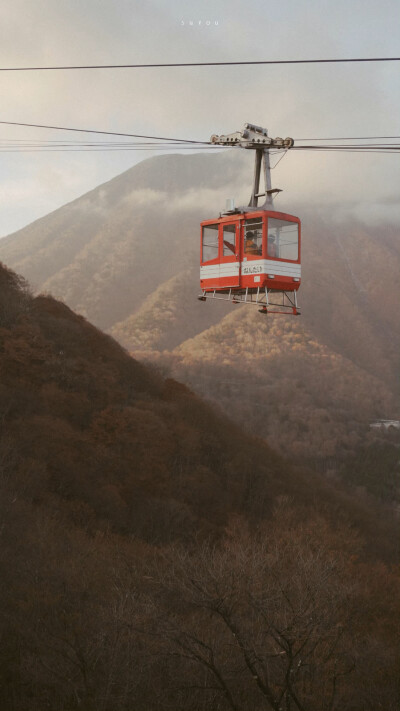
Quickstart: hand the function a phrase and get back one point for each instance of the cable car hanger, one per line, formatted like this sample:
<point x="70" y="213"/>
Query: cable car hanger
<point x="251" y="254"/>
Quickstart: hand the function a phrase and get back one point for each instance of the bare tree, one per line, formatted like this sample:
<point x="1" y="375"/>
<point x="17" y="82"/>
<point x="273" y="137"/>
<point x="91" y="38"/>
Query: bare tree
<point x="267" y="617"/>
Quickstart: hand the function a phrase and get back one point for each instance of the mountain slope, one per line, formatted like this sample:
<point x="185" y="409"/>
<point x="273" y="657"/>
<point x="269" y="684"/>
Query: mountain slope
<point x="110" y="250"/>
<point x="102" y="432"/>
<point x="132" y="514"/>
<point x="105" y="252"/>
<point x="126" y="256"/>
<point x="282" y="384"/>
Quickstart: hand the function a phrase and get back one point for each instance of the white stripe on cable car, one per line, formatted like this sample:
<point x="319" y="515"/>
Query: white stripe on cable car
<point x="228" y="269"/>
<point x="270" y="266"/>
<point x="214" y="271"/>
<point x="248" y="268"/>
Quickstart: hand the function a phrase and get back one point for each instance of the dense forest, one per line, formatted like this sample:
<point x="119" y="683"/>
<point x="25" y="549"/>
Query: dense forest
<point x="155" y="556"/>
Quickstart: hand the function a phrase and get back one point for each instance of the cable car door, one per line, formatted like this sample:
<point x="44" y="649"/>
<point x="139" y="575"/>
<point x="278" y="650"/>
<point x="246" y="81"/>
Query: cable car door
<point x="229" y="268"/>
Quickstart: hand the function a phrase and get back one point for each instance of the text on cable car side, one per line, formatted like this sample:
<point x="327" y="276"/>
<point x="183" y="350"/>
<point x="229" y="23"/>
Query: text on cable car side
<point x="252" y="254"/>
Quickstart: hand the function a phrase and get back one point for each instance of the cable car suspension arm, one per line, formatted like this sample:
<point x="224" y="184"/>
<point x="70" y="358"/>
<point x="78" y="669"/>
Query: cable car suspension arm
<point x="256" y="138"/>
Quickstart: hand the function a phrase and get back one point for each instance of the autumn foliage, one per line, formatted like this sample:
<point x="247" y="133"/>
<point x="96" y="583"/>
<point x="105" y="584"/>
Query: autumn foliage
<point x="153" y="556"/>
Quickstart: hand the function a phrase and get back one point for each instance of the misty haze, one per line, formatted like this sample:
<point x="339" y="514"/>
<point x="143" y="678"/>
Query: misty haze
<point x="199" y="502"/>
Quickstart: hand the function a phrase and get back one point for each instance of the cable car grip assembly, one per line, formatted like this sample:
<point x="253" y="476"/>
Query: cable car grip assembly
<point x="256" y="138"/>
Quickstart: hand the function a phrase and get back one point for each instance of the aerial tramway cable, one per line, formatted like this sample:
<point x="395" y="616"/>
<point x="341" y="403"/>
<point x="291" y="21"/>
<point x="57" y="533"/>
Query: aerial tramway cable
<point x="106" y="133"/>
<point x="160" y="65"/>
<point x="162" y="143"/>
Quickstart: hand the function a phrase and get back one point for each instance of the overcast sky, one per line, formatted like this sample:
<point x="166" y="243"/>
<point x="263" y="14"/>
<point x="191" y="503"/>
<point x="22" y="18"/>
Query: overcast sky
<point x="303" y="101"/>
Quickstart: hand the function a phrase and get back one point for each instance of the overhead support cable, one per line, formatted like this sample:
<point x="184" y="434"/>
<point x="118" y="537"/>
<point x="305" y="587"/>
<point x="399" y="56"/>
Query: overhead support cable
<point x="350" y="138"/>
<point x="94" y="149"/>
<point x="161" y="143"/>
<point x="202" y="64"/>
<point x="106" y="133"/>
<point x="185" y="140"/>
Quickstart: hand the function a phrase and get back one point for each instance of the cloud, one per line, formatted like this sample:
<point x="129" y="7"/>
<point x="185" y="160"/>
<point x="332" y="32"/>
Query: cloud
<point x="309" y="101"/>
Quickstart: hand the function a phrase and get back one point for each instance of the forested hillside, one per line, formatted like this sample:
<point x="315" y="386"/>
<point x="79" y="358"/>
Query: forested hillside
<point x="126" y="256"/>
<point x="147" y="543"/>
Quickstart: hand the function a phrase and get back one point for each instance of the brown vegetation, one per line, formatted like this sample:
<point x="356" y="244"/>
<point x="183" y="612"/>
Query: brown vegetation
<point x="149" y="556"/>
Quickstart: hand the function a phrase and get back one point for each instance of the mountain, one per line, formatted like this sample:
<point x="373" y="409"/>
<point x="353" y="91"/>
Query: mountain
<point x="89" y="427"/>
<point x="138" y="525"/>
<point x="126" y="256"/>
<point x="105" y="252"/>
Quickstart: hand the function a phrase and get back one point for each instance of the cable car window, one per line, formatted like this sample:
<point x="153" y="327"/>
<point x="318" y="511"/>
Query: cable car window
<point x="210" y="242"/>
<point x="253" y="236"/>
<point x="283" y="239"/>
<point x="228" y="237"/>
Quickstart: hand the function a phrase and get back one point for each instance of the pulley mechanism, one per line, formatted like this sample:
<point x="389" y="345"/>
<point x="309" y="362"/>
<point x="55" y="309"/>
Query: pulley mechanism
<point x="256" y="138"/>
<point x="252" y="137"/>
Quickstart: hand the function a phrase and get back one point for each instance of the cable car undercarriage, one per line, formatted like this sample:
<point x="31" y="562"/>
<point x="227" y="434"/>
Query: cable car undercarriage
<point x="260" y="297"/>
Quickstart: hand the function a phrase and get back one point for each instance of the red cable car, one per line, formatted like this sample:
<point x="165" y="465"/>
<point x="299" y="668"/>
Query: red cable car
<point x="252" y="254"/>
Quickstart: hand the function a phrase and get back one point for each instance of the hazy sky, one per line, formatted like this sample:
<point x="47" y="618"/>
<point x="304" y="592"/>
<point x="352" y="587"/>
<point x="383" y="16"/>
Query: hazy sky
<point x="304" y="101"/>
